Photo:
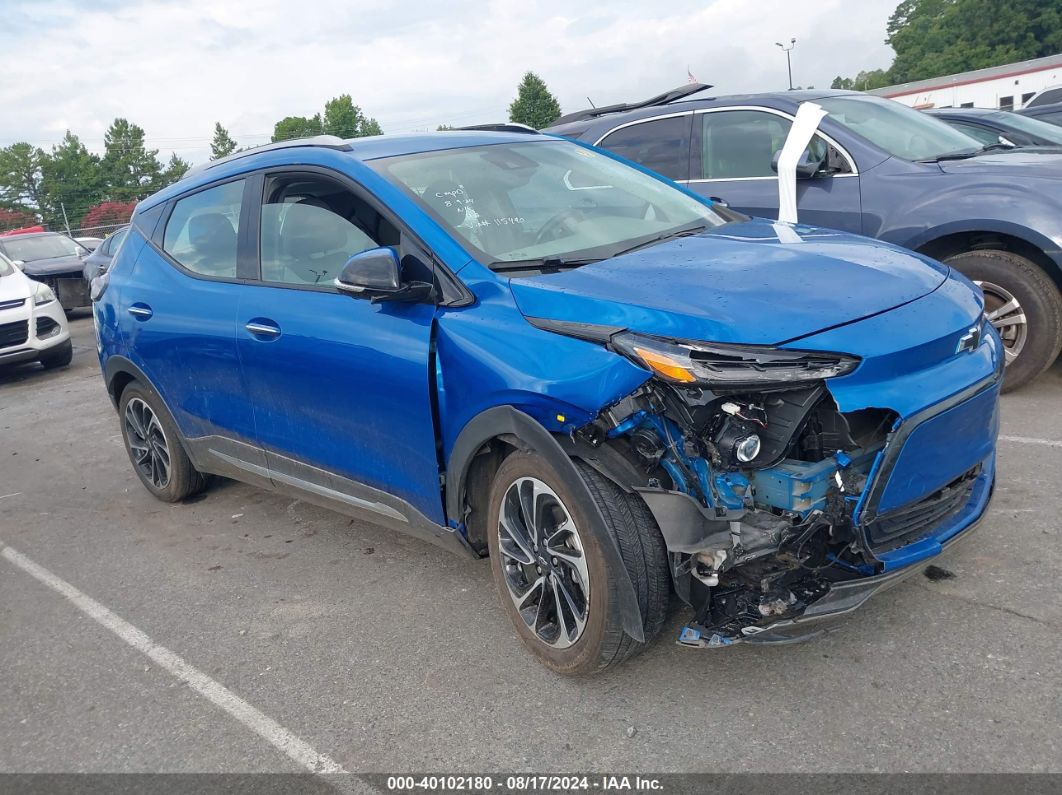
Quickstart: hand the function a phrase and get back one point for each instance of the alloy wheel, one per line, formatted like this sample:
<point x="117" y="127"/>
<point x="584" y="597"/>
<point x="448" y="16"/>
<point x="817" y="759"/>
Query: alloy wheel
<point x="147" y="443"/>
<point x="543" y="562"/>
<point x="1005" y="314"/>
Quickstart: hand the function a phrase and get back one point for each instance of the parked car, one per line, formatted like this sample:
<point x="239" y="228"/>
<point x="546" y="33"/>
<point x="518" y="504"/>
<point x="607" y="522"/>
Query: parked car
<point x="513" y="344"/>
<point x="1000" y="127"/>
<point x="32" y="323"/>
<point x="1052" y="113"/>
<point x="877" y="168"/>
<point x="1051" y="95"/>
<point x="89" y="243"/>
<point x="100" y="259"/>
<point x="51" y="258"/>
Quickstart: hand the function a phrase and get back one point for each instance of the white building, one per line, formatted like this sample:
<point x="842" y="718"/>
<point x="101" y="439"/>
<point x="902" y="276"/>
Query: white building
<point x="1008" y="87"/>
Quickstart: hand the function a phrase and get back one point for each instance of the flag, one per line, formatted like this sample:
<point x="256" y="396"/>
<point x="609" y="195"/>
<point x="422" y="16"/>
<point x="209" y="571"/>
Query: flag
<point x="689" y="77"/>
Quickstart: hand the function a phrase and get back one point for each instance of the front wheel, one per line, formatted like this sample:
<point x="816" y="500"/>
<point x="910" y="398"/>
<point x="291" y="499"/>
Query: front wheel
<point x="551" y="570"/>
<point x="1023" y="304"/>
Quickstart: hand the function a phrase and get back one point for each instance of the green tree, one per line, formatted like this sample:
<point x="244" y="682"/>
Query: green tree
<point x="20" y="176"/>
<point x="443" y="127"/>
<point x="175" y="169"/>
<point x="296" y="127"/>
<point x="864" y="81"/>
<point x="129" y="170"/>
<point x="939" y="37"/>
<point x="534" y="105"/>
<point x="345" y="119"/>
<point x="70" y="181"/>
<point x="932" y="38"/>
<point x="222" y="145"/>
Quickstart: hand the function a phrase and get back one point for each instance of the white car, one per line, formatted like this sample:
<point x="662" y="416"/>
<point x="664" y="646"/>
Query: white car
<point x="32" y="322"/>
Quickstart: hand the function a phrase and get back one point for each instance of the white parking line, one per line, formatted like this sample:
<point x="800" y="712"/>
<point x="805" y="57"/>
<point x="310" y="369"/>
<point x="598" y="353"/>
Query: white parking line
<point x="1031" y="440"/>
<point x="220" y="695"/>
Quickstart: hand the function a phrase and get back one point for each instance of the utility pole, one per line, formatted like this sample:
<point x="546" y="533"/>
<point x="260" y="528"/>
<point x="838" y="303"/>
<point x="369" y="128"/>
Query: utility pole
<point x="66" y="221"/>
<point x="788" y="60"/>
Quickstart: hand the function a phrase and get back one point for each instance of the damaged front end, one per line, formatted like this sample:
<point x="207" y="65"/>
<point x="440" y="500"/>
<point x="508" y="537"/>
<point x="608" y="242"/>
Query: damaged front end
<point x="768" y="495"/>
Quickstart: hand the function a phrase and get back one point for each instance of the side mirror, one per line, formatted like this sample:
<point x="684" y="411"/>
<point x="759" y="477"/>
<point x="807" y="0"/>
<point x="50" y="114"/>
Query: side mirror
<point x="376" y="274"/>
<point x="807" y="166"/>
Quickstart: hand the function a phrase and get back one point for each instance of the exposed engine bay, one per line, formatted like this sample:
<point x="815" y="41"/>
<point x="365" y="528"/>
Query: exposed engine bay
<point x="754" y="492"/>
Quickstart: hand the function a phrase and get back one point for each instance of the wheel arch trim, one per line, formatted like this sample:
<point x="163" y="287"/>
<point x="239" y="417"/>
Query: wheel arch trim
<point x="524" y="432"/>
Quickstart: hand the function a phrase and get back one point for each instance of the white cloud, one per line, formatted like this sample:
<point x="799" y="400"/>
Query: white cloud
<point x="175" y="68"/>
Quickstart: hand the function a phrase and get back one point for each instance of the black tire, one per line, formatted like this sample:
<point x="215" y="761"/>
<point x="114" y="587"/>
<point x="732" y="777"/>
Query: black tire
<point x="182" y="479"/>
<point x="603" y="641"/>
<point x="59" y="356"/>
<point x="1040" y="300"/>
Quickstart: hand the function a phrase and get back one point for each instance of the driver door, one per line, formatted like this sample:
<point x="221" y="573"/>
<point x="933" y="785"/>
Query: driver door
<point x="340" y="385"/>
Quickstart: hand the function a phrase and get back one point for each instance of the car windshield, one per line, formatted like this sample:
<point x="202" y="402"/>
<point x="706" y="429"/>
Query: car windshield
<point x="901" y="131"/>
<point x="30" y="249"/>
<point x="547" y="200"/>
<point x="6" y="268"/>
<point x="1040" y="129"/>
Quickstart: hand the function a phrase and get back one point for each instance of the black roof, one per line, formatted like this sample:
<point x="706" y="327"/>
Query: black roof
<point x="681" y="99"/>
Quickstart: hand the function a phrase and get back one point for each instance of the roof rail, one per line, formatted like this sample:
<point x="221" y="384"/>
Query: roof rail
<point x="660" y="99"/>
<point x="505" y="126"/>
<point x="324" y="141"/>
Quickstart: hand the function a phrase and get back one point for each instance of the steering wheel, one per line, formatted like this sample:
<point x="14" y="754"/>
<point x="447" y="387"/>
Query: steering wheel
<point x="559" y="225"/>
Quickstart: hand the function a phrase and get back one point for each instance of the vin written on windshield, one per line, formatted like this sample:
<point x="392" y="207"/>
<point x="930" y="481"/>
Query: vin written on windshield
<point x="547" y="205"/>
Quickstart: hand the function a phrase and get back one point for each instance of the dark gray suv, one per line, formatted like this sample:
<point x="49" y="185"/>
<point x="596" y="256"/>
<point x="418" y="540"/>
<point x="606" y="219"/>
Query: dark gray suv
<point x="877" y="168"/>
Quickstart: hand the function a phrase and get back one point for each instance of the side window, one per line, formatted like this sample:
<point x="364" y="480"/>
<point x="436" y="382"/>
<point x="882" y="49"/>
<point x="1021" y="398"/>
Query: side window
<point x="201" y="231"/>
<point x="738" y="144"/>
<point x="741" y="143"/>
<point x="662" y="145"/>
<point x="311" y="226"/>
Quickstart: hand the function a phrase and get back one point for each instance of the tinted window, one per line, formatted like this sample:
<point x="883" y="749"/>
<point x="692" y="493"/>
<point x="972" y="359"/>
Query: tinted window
<point x="662" y="145"/>
<point x="1046" y="97"/>
<point x="741" y="143"/>
<point x="201" y="232"/>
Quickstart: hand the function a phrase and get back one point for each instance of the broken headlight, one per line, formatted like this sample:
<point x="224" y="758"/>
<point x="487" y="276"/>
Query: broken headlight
<point x="723" y="365"/>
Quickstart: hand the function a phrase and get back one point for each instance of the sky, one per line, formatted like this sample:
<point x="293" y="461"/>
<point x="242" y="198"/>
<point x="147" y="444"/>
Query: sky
<point x="175" y="68"/>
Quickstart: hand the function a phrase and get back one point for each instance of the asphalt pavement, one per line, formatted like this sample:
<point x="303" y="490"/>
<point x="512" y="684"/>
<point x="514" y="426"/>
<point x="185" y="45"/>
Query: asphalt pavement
<point x="384" y="654"/>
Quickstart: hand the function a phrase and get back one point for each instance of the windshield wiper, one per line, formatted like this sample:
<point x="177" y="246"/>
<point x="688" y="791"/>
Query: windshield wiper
<point x="544" y="264"/>
<point x="686" y="232"/>
<point x="966" y="153"/>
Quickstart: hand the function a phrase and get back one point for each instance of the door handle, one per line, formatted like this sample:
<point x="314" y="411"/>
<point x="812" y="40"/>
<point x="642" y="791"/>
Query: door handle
<point x="263" y="328"/>
<point x="140" y="311"/>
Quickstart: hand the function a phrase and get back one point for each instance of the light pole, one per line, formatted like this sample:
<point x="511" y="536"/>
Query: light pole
<point x="788" y="60"/>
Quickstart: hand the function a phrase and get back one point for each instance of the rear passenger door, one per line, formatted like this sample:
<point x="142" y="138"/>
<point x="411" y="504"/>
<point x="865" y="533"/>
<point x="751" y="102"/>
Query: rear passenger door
<point x="731" y="158"/>
<point x="178" y="316"/>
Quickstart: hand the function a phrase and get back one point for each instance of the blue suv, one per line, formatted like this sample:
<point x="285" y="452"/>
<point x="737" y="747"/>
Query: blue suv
<point x="875" y="168"/>
<point x="516" y="346"/>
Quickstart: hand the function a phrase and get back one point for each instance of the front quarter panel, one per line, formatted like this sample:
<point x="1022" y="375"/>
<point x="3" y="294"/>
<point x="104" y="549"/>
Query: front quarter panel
<point x="489" y="355"/>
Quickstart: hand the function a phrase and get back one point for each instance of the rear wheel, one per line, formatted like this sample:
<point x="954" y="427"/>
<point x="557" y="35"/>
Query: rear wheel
<point x="551" y="571"/>
<point x="1023" y="304"/>
<point x="153" y="444"/>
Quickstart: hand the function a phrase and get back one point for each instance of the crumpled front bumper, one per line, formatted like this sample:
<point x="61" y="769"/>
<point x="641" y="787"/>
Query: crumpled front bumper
<point x="845" y="597"/>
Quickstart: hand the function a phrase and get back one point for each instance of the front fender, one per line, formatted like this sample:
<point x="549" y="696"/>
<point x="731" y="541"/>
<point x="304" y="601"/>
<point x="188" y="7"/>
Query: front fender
<point x="521" y="430"/>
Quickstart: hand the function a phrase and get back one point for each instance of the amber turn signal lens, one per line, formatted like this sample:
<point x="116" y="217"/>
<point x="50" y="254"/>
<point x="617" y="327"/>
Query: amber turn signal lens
<point x="665" y="366"/>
